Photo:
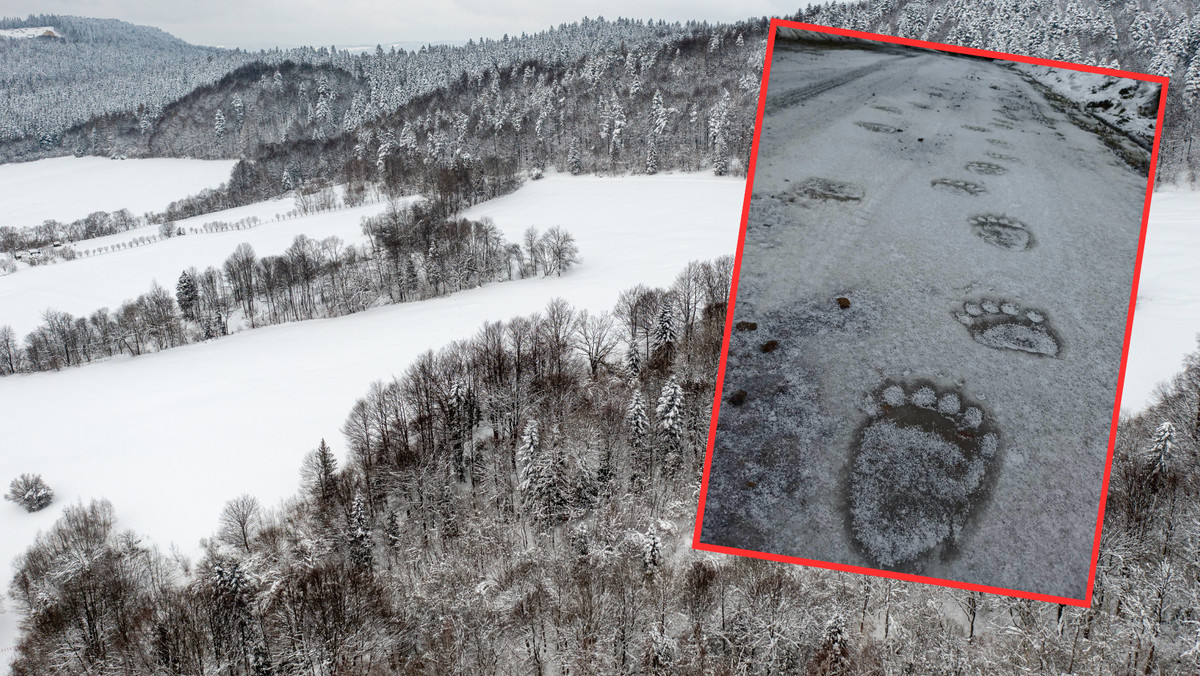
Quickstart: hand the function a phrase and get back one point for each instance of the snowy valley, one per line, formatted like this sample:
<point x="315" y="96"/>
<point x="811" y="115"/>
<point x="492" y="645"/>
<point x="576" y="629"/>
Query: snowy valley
<point x="433" y="394"/>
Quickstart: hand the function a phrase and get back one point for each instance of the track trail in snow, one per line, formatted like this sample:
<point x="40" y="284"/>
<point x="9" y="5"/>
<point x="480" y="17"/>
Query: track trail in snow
<point x="966" y="185"/>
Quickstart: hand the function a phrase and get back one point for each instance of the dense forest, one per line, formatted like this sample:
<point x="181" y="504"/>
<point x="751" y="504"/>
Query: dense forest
<point x="589" y="96"/>
<point x="522" y="502"/>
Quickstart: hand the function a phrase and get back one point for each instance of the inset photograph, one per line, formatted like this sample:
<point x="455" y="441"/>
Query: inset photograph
<point x="930" y="313"/>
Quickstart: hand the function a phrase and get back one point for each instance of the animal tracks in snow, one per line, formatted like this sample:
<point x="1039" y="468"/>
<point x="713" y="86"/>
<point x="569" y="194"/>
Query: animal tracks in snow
<point x="826" y="189"/>
<point x="956" y="186"/>
<point x="1004" y="325"/>
<point x="986" y="168"/>
<point x="1002" y="231"/>
<point x="918" y="470"/>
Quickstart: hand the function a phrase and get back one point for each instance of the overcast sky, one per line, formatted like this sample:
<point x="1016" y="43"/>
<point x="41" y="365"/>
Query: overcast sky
<point x="255" y="24"/>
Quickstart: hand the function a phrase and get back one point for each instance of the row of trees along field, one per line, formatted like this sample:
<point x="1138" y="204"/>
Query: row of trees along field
<point x="409" y="255"/>
<point x="522" y="502"/>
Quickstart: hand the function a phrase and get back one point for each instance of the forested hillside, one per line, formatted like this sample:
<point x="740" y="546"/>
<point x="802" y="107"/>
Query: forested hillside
<point x="98" y="67"/>
<point x="522" y="502"/>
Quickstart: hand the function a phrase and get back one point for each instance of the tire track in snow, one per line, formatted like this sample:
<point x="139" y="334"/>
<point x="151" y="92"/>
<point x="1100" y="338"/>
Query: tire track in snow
<point x="798" y="95"/>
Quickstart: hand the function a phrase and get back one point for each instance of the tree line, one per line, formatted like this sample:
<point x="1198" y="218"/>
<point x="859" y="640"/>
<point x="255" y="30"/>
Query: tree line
<point x="409" y="254"/>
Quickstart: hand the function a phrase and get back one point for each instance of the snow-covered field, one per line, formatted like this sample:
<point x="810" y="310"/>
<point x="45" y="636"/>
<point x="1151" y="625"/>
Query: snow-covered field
<point x="87" y="284"/>
<point x="28" y="32"/>
<point x="1166" y="320"/>
<point x="984" y="246"/>
<point x="169" y="437"/>
<point x="68" y="188"/>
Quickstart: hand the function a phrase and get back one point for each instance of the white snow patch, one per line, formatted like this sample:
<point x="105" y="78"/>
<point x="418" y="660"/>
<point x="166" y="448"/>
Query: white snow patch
<point x="29" y="32"/>
<point x="1167" y="317"/>
<point x="68" y="188"/>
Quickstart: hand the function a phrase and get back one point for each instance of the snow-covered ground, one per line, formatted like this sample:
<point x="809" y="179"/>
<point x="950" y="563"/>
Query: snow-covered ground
<point x="921" y="189"/>
<point x="1166" y="320"/>
<point x="29" y="32"/>
<point x="1115" y="100"/>
<point x="169" y="437"/>
<point x="87" y="284"/>
<point x="68" y="188"/>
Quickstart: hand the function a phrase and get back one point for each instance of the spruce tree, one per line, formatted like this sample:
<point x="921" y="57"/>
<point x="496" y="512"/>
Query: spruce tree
<point x="359" y="533"/>
<point x="239" y="108"/>
<point x="574" y="159"/>
<point x="633" y="363"/>
<point x="639" y="427"/>
<point x="664" y="330"/>
<point x="319" y="474"/>
<point x="670" y="422"/>
<point x="1191" y="84"/>
<point x="1161" y="452"/>
<point x="527" y="452"/>
<point x="187" y="296"/>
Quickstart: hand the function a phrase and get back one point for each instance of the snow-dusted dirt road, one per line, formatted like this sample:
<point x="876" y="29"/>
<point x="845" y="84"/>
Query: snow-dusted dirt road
<point x="929" y="323"/>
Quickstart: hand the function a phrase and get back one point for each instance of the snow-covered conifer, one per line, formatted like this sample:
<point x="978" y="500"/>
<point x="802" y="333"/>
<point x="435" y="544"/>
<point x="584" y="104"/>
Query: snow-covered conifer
<point x="1161" y="452"/>
<point x="670" y="412"/>
<point x="665" y="334"/>
<point x="633" y="363"/>
<point x="574" y="158"/>
<point x="527" y="451"/>
<point x="359" y="533"/>
<point x="239" y="108"/>
<point x="187" y="296"/>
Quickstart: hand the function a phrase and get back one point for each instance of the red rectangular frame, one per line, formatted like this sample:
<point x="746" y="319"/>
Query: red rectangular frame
<point x="712" y="431"/>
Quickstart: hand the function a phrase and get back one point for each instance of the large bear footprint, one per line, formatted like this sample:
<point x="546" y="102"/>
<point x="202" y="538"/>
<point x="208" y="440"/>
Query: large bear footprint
<point x="1003" y="325"/>
<point x="1002" y="231"/>
<point x="920" y="466"/>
